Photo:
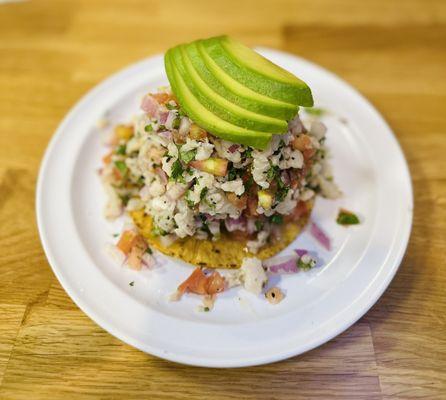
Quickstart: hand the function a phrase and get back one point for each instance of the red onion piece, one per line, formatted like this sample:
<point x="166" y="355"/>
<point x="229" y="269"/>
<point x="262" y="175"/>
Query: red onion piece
<point x="163" y="117"/>
<point x="285" y="178"/>
<point x="159" y="260"/>
<point x="282" y="265"/>
<point x="166" y="134"/>
<point x="295" y="126"/>
<point x="148" y="260"/>
<point x="233" y="224"/>
<point x="209" y="217"/>
<point x="169" y="120"/>
<point x="320" y="235"/>
<point x="184" y="126"/>
<point x="162" y="175"/>
<point x="149" y="105"/>
<point x="251" y="226"/>
<point x="176" y="191"/>
<point x="233" y="148"/>
<point x="301" y="252"/>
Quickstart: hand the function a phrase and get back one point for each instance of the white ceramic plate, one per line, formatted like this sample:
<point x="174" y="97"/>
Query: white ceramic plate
<point x="242" y="329"/>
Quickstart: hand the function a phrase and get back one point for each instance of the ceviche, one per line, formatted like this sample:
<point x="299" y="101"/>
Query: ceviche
<point x="219" y="170"/>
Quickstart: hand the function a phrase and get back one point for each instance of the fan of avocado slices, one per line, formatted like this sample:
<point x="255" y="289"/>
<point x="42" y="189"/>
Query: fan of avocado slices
<point x="233" y="92"/>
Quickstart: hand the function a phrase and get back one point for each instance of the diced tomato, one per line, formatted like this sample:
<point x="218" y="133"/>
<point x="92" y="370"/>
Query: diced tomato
<point x="246" y="176"/>
<point x="127" y="241"/>
<point x="162" y="98"/>
<point x="107" y="158"/>
<point x="273" y="186"/>
<point x="196" y="283"/>
<point x="138" y="249"/>
<point x="197" y="133"/>
<point x="294" y="179"/>
<point x="178" y="137"/>
<point x="252" y="205"/>
<point x="239" y="202"/>
<point x="199" y="283"/>
<point x="302" y="142"/>
<point x="216" y="283"/>
<point x="117" y="175"/>
<point x="308" y="154"/>
<point x="113" y="139"/>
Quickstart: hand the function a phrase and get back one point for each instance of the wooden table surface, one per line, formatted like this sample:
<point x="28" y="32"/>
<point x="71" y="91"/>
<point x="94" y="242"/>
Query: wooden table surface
<point x="52" y="52"/>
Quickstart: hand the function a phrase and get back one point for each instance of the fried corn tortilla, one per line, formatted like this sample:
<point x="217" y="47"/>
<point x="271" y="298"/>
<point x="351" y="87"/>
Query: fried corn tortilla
<point x="226" y="252"/>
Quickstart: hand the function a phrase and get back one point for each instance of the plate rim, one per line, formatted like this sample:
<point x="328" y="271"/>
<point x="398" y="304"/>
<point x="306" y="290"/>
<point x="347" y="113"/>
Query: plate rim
<point x="190" y="360"/>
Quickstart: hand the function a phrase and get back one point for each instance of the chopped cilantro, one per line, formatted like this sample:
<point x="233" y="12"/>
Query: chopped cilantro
<point x="177" y="170"/>
<point x="149" y="250"/>
<point x="206" y="309"/>
<point x="281" y="193"/>
<point x="189" y="202"/>
<point x="121" y="166"/>
<point x="141" y="180"/>
<point x="203" y="193"/>
<point x="259" y="225"/>
<point x="232" y="173"/>
<point x="132" y="283"/>
<point x="276" y="219"/>
<point x="156" y="231"/>
<point x="170" y="106"/>
<point x="272" y="172"/>
<point x="282" y="189"/>
<point x="315" y="111"/>
<point x="115" y="234"/>
<point x="204" y="223"/>
<point x="248" y="152"/>
<point x="121" y="149"/>
<point x="161" y="127"/>
<point x="305" y="266"/>
<point x="148" y="128"/>
<point x="176" y="123"/>
<point x="188" y="156"/>
<point x="321" y="153"/>
<point x="249" y="183"/>
<point x="125" y="199"/>
<point x="347" y="218"/>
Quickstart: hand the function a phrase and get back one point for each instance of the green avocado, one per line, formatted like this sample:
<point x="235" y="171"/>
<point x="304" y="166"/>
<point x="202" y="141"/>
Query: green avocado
<point x="205" y="118"/>
<point x="256" y="72"/>
<point x="219" y="105"/>
<point x="222" y="83"/>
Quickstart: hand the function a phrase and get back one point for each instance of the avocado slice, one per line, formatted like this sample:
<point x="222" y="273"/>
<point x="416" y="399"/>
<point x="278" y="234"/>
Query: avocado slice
<point x="217" y="104"/>
<point x="255" y="71"/>
<point x="205" y="118"/>
<point x="234" y="91"/>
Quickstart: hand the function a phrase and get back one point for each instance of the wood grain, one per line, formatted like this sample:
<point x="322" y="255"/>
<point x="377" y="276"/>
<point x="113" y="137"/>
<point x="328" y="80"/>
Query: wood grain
<point x="52" y="52"/>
